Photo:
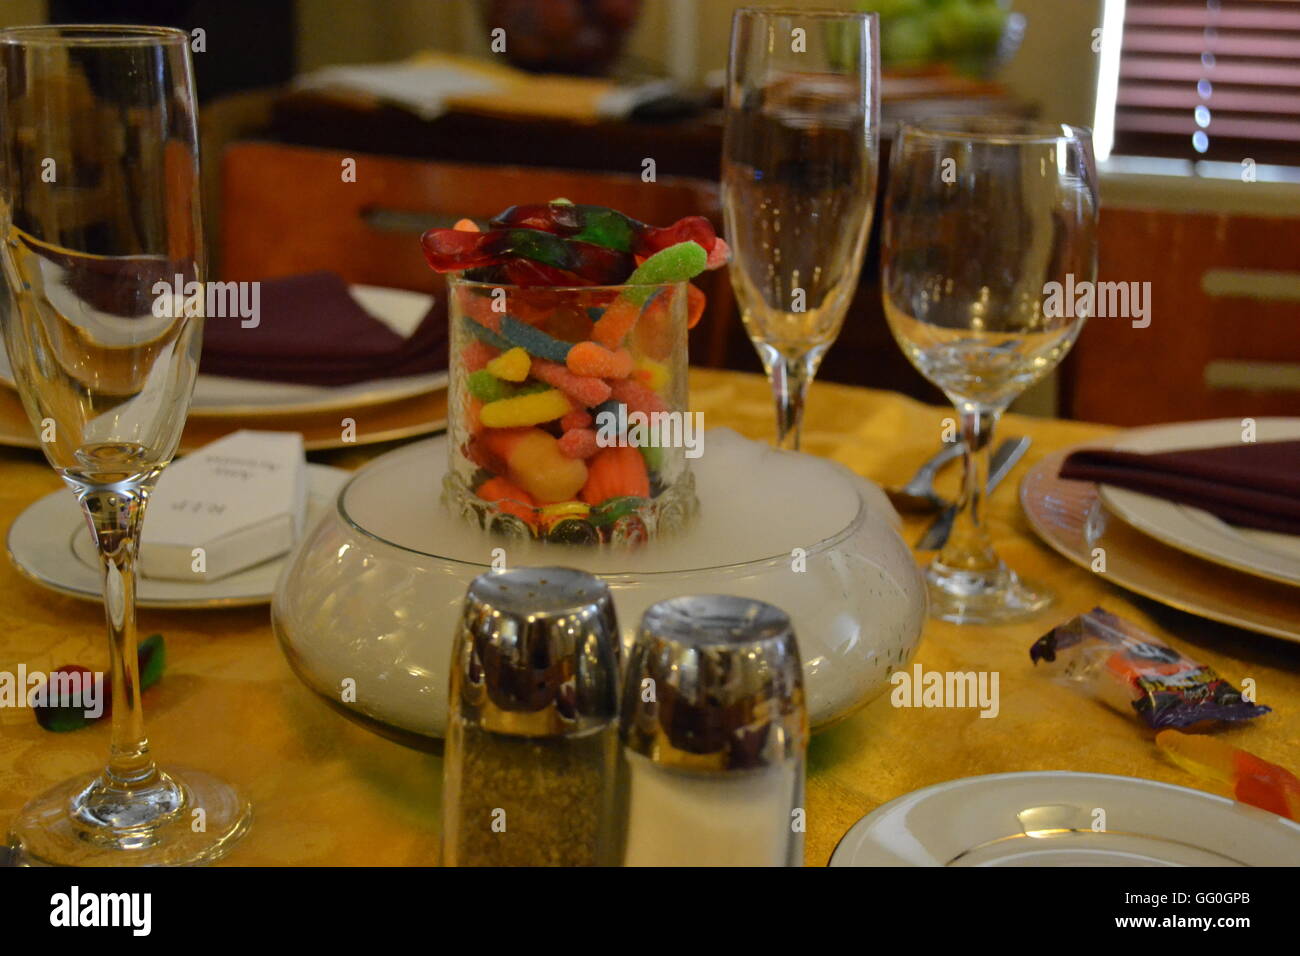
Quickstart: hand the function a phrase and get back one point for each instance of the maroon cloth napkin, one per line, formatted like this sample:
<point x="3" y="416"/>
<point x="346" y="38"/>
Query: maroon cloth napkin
<point x="312" y="332"/>
<point x="1256" y="485"/>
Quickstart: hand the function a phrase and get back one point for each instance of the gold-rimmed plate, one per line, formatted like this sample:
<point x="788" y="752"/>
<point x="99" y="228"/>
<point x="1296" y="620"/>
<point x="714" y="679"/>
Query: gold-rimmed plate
<point x="1071" y="518"/>
<point x="1049" y="818"/>
<point x="406" y="418"/>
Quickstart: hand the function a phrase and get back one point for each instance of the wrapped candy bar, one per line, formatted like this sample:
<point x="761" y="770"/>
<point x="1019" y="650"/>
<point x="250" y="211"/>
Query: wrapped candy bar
<point x="1111" y="659"/>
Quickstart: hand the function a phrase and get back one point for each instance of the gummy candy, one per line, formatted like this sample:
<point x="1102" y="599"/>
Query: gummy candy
<point x="590" y="358"/>
<point x="512" y="365"/>
<point x="579" y="443"/>
<point x="534" y="463"/>
<point x="452" y="250"/>
<point x="520" y="410"/>
<point x="607" y="227"/>
<point x="581" y="388"/>
<point x="536" y="341"/>
<point x="1253" y="780"/>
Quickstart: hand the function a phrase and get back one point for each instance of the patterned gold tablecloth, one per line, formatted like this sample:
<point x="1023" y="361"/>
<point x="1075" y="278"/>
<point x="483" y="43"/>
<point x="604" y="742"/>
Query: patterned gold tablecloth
<point x="327" y="792"/>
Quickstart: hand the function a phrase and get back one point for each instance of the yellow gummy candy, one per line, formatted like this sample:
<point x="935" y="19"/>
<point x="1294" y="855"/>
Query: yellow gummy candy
<point x="513" y="366"/>
<point x="657" y="373"/>
<point x="531" y="409"/>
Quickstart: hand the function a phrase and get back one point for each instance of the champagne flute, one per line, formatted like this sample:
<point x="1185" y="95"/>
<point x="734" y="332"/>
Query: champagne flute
<point x="100" y="211"/>
<point x="982" y="217"/>
<point x="799" y="163"/>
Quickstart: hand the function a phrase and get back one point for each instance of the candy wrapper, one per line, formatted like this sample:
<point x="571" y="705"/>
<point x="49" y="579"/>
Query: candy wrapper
<point x="1106" y="657"/>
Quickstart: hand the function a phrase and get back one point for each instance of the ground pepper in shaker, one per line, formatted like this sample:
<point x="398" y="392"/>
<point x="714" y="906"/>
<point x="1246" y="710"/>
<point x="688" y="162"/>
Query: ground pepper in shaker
<point x="530" y="766"/>
<point x="714" y="730"/>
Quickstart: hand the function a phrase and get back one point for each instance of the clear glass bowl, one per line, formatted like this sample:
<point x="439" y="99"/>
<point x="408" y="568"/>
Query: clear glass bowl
<point x="366" y="607"/>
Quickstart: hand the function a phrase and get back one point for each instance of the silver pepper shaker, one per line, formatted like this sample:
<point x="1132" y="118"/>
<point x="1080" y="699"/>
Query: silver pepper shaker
<point x="531" y="754"/>
<point x="714" y="730"/>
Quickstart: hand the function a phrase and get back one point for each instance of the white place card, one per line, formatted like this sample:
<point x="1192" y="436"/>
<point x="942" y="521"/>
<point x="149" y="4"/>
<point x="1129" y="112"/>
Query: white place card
<point x="229" y="506"/>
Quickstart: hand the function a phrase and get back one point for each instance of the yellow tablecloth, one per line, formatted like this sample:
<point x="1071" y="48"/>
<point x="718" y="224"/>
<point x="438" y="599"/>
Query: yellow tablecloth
<point x="327" y="792"/>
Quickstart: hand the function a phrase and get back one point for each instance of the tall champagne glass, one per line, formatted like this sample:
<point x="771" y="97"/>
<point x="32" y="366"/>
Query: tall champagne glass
<point x="799" y="164"/>
<point x="100" y="211"/>
<point x="982" y="217"/>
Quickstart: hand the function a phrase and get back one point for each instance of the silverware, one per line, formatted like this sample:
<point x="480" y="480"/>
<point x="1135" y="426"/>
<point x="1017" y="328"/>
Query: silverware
<point x="1004" y="459"/>
<point x="918" y="495"/>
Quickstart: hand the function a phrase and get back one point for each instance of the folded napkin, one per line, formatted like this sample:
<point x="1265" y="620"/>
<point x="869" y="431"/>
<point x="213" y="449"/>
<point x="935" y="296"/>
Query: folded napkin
<point x="1255" y="485"/>
<point x="312" y="332"/>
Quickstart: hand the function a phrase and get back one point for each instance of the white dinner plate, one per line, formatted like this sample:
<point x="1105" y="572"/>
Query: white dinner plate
<point x="1263" y="553"/>
<point x="50" y="544"/>
<point x="218" y="396"/>
<point x="1061" y="818"/>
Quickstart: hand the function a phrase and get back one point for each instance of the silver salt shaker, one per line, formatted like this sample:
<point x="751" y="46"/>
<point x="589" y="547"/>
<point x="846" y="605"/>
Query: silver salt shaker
<point x="530" y="765"/>
<point x="714" y="730"/>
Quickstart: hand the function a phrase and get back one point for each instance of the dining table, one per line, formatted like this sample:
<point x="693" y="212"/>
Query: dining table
<point x="327" y="792"/>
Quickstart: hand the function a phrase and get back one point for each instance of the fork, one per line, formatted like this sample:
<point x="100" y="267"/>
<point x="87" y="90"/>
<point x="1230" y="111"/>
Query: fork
<point x="1004" y="459"/>
<point x="918" y="495"/>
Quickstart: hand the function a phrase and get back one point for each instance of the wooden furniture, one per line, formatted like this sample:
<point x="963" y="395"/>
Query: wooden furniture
<point x="1224" y="333"/>
<point x="288" y="210"/>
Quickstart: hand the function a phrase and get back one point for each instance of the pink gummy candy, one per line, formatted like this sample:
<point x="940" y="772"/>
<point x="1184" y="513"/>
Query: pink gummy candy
<point x="581" y="388"/>
<point x="578" y="443"/>
<point x="636" y="396"/>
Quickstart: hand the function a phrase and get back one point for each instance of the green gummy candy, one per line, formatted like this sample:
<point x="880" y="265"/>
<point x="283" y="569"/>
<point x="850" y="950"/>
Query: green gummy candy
<point x="486" y="387"/>
<point x="677" y="263"/>
<point x="653" y="455"/>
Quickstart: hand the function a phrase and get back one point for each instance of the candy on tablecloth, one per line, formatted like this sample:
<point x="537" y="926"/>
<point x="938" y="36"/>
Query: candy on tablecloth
<point x="637" y="397"/>
<point x="579" y="443"/>
<point x="527" y="409"/>
<point x="512" y="366"/>
<point x="1253" y="780"/>
<point x="581" y="388"/>
<point x="1107" y="657"/>
<point x="452" y="250"/>
<point x="578" y="418"/>
<point x="596" y="361"/>
<point x="535" y="341"/>
<point x="616" y="472"/>
<point x="55" y="711"/>
<point x="534" y="463"/>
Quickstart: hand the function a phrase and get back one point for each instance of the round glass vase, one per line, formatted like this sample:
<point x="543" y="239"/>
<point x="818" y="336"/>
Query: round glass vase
<point x="554" y="447"/>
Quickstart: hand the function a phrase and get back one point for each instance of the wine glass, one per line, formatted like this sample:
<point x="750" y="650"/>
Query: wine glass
<point x="982" y="217"/>
<point x="799" y="163"/>
<point x="99" y="189"/>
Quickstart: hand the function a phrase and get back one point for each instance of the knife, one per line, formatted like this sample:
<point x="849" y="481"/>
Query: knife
<point x="1004" y="459"/>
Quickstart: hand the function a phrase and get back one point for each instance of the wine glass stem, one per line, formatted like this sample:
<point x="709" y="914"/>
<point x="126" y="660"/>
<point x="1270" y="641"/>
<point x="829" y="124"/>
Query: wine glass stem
<point x="115" y="513"/>
<point x="790" y="377"/>
<point x="969" y="547"/>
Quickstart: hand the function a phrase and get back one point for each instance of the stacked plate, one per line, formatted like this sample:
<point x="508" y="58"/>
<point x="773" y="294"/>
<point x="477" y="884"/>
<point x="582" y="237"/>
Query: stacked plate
<point x="50" y="545"/>
<point x="383" y="410"/>
<point x="1176" y="554"/>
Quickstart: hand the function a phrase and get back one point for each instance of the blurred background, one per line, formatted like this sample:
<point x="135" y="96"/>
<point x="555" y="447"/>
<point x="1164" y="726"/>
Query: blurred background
<point x="1196" y="106"/>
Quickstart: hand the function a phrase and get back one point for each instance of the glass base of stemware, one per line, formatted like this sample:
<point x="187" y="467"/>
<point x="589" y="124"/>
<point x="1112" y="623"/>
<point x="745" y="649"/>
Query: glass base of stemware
<point x="158" y="828"/>
<point x="983" y="597"/>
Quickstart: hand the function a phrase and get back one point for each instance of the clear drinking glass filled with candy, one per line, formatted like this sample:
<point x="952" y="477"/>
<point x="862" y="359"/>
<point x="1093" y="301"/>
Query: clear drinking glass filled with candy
<point x="568" y="417"/>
